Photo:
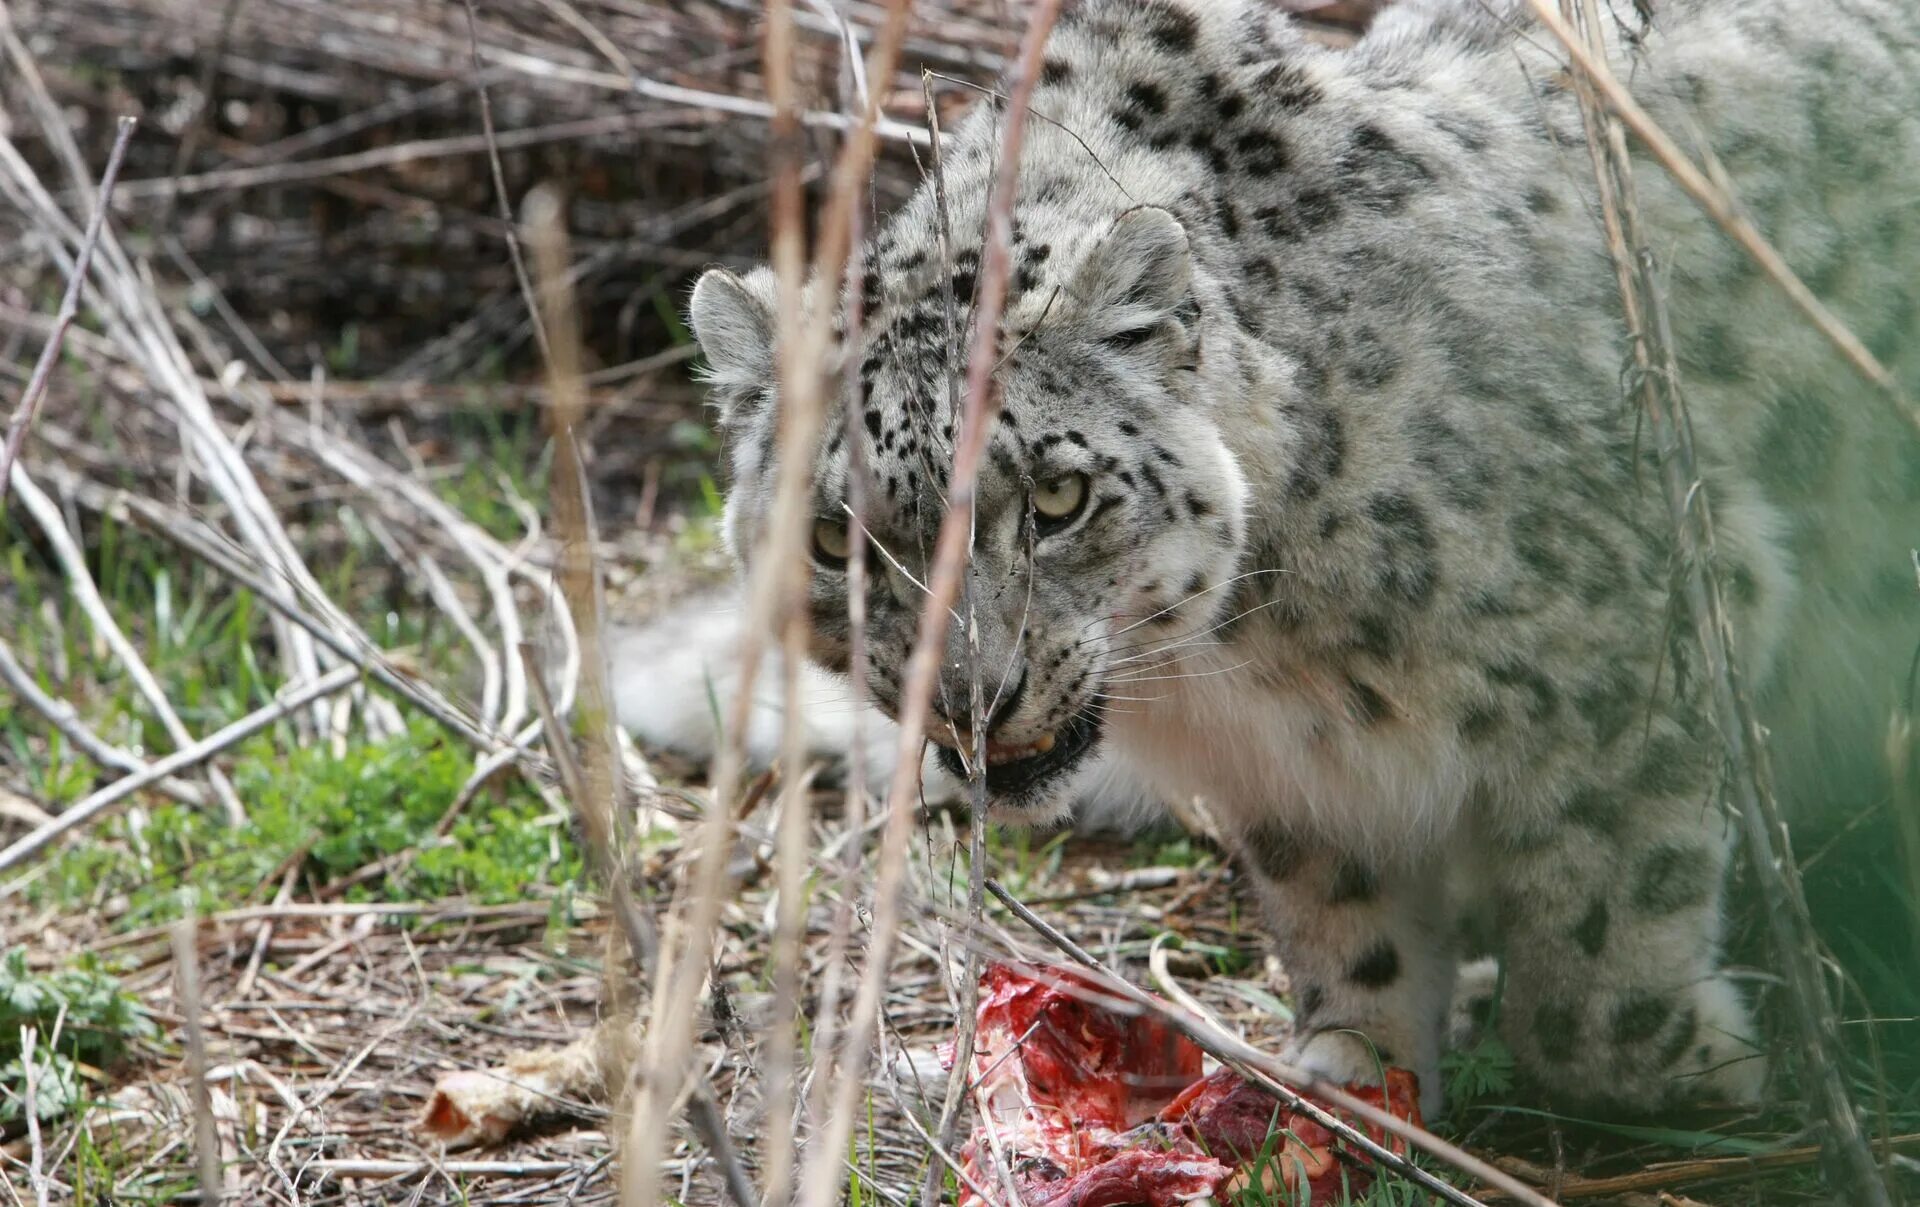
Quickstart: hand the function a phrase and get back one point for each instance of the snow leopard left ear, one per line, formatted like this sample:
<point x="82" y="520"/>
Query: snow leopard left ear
<point x="732" y="319"/>
<point x="1136" y="276"/>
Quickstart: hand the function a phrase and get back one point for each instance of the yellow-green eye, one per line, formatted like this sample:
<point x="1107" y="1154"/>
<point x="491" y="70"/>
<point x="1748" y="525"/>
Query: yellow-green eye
<point x="831" y="543"/>
<point x="1057" y="500"/>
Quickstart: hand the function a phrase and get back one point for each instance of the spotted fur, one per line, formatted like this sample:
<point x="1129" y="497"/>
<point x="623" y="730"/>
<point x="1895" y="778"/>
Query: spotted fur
<point x="1374" y="567"/>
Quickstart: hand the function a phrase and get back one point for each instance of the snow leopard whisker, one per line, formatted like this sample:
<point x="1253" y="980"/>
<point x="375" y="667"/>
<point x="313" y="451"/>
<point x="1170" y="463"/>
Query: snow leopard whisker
<point x="1185" y="599"/>
<point x="1149" y="678"/>
<point x="1140" y="653"/>
<point x="1182" y="642"/>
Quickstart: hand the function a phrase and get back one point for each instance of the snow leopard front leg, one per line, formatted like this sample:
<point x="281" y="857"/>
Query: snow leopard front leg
<point x="1611" y="918"/>
<point x="1369" y="953"/>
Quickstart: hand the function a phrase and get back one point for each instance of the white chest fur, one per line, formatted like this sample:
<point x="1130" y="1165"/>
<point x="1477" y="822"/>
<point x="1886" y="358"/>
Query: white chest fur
<point x="1286" y="747"/>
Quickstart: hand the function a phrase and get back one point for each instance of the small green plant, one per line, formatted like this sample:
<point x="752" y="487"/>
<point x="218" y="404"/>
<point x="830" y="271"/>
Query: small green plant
<point x="333" y="815"/>
<point x="1020" y="862"/>
<point x="1482" y="1070"/>
<point x="81" y="1017"/>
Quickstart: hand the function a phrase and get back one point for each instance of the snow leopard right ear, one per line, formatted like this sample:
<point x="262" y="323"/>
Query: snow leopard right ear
<point x="1136" y="277"/>
<point x="732" y="319"/>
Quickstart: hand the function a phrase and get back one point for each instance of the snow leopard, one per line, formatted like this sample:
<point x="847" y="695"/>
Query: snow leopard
<point x="1316" y="500"/>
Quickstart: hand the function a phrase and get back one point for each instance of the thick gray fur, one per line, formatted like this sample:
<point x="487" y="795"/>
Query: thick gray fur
<point x="1376" y="570"/>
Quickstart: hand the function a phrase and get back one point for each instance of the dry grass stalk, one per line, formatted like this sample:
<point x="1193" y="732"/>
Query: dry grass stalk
<point x="135" y="319"/>
<point x="37" y="1176"/>
<point x="774" y="594"/>
<point x="1906" y="800"/>
<point x="1848" y="1157"/>
<point x="802" y="392"/>
<point x="206" y="1138"/>
<point x="827" y="1013"/>
<point x="351" y="1167"/>
<point x="29" y="404"/>
<point x="594" y="783"/>
<point x="73" y="563"/>
<point x="643" y="944"/>
<point x="61" y="715"/>
<point x="968" y="989"/>
<point x="500" y="189"/>
<point x="821" y="1183"/>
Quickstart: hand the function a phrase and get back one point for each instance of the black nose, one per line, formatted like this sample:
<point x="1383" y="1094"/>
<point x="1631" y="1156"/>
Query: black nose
<point x="957" y="695"/>
<point x="1009" y="705"/>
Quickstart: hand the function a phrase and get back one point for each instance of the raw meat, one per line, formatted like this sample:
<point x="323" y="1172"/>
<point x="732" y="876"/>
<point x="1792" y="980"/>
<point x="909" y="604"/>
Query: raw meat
<point x="1092" y="1104"/>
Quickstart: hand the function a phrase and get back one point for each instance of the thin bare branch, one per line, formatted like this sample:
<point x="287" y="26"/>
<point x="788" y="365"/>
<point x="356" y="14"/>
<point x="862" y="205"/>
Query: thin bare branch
<point x="206" y="1138"/>
<point x="29" y="403"/>
<point x="60" y="715"/>
<point x="73" y="562"/>
<point x="821" y="1182"/>
<point x="1849" y="1160"/>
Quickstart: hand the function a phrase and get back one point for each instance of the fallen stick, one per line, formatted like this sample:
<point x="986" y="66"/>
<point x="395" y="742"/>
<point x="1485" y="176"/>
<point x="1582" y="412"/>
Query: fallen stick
<point x="349" y="1167"/>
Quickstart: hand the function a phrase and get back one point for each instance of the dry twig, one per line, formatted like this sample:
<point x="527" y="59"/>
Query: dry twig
<point x="73" y="561"/>
<point x="822" y="1179"/>
<point x="771" y="593"/>
<point x="29" y="403"/>
<point x="1849" y="1161"/>
<point x="60" y="715"/>
<point x="206" y="1139"/>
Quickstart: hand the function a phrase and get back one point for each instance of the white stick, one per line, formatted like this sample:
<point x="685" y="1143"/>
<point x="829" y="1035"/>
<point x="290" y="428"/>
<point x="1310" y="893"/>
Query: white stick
<point x="46" y="513"/>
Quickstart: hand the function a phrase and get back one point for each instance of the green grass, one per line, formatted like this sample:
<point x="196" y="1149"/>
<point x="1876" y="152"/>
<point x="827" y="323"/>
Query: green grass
<point x="82" y="1020"/>
<point x="331" y="816"/>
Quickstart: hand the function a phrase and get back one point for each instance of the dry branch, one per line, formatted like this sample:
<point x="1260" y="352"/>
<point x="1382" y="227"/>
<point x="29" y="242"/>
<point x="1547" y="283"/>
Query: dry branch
<point x="773" y="593"/>
<point x="1849" y="1161"/>
<point x="62" y="717"/>
<point x="29" y="403"/>
<point x="73" y="562"/>
<point x="821" y="1181"/>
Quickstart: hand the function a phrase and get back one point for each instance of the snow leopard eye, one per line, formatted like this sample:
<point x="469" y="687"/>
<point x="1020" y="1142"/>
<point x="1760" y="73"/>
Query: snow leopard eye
<point x="1057" y="501"/>
<point x="831" y="543"/>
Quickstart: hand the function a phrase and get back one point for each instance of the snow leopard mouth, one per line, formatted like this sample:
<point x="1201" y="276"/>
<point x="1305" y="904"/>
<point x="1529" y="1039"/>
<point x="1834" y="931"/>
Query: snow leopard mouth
<point x="1015" y="778"/>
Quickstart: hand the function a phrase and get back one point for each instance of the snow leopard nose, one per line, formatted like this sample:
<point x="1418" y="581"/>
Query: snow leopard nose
<point x="957" y="692"/>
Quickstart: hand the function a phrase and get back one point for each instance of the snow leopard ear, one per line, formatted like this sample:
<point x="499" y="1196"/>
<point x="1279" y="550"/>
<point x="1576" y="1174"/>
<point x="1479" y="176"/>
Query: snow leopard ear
<point x="732" y="319"/>
<point x="1136" y="276"/>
